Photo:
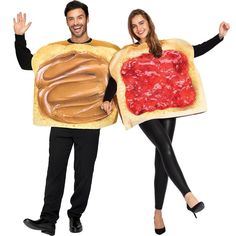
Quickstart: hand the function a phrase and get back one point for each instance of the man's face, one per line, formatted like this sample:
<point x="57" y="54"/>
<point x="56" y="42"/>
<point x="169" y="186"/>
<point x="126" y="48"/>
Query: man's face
<point x="77" y="22"/>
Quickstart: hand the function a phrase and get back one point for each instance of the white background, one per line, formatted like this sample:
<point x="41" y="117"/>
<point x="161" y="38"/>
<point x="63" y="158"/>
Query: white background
<point x="122" y="196"/>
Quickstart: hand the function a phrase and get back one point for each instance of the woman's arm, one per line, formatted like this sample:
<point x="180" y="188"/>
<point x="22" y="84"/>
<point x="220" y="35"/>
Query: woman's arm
<point x="201" y="49"/>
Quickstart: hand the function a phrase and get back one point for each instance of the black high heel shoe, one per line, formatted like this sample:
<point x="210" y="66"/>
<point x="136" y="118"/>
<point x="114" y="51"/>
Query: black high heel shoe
<point x="160" y="231"/>
<point x="195" y="209"/>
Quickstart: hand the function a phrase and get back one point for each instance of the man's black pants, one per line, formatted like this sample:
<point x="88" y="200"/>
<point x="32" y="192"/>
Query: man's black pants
<point x="85" y="143"/>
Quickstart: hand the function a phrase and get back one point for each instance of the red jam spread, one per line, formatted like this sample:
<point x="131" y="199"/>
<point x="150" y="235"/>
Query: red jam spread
<point x="157" y="83"/>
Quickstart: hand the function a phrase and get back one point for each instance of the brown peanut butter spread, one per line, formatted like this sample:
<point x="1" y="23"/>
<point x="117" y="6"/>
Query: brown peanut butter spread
<point x="71" y="87"/>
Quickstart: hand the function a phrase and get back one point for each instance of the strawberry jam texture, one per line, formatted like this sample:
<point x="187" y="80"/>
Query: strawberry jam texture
<point x="157" y="83"/>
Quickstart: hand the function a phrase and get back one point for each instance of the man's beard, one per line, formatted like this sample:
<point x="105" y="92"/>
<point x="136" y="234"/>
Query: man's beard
<point x="80" y="34"/>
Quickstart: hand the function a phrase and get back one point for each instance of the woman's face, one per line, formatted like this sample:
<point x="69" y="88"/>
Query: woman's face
<point x="140" y="27"/>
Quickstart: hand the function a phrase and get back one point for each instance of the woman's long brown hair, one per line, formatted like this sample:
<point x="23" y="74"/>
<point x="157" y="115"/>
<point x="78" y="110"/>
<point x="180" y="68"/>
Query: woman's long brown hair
<point x="152" y="40"/>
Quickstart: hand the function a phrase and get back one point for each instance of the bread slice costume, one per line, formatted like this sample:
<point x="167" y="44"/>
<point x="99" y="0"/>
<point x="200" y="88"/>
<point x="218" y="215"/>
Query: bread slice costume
<point x="70" y="81"/>
<point x="152" y="88"/>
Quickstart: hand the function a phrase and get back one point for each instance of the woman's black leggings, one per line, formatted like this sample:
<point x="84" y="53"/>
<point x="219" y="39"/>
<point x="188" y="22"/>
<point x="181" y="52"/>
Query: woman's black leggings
<point x="160" y="132"/>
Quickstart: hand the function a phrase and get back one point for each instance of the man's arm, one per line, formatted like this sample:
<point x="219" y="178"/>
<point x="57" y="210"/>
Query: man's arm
<point x="108" y="96"/>
<point x="110" y="90"/>
<point x="23" y="54"/>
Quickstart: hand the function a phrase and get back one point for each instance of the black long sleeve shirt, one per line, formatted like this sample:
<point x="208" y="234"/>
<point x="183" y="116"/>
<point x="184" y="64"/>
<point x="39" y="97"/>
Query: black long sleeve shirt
<point x="23" y="54"/>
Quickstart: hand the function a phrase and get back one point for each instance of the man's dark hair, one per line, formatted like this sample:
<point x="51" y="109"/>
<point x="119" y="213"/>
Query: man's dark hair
<point x="76" y="4"/>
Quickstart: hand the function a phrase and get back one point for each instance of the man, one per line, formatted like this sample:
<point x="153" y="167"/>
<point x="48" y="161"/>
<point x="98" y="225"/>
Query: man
<point x="85" y="141"/>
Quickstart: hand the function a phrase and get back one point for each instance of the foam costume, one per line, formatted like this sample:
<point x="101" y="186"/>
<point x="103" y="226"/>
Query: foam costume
<point x="70" y="81"/>
<point x="150" y="87"/>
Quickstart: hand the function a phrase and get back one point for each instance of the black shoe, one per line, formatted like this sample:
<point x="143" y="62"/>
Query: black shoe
<point x="160" y="231"/>
<point x="75" y="225"/>
<point x="195" y="209"/>
<point x="41" y="224"/>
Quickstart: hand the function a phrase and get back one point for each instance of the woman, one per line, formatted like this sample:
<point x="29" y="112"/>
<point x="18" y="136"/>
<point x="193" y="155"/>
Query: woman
<point x="160" y="131"/>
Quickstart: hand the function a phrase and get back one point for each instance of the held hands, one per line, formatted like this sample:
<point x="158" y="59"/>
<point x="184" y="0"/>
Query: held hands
<point x="223" y="29"/>
<point x="20" y="26"/>
<point x="107" y="107"/>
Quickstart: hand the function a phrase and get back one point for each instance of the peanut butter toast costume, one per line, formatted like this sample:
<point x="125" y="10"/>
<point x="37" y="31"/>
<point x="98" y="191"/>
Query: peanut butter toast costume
<point x="70" y="80"/>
